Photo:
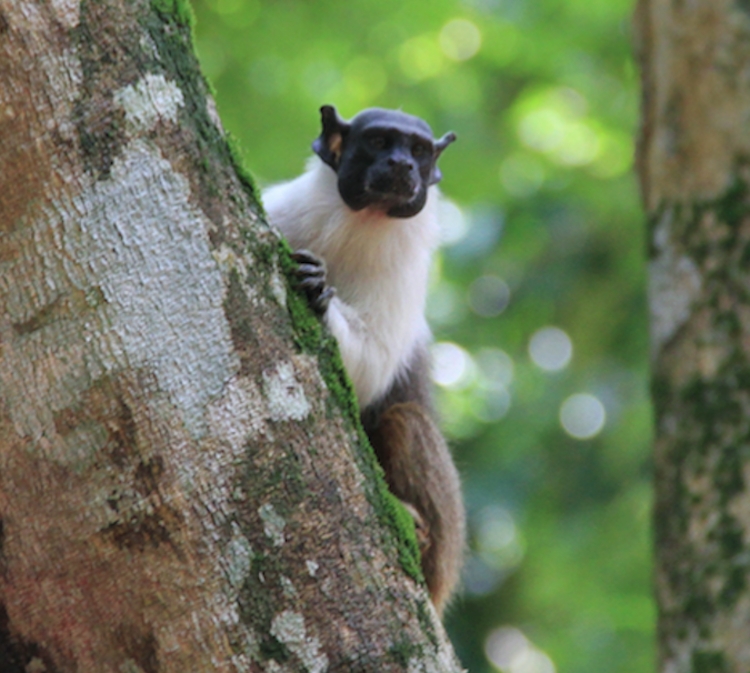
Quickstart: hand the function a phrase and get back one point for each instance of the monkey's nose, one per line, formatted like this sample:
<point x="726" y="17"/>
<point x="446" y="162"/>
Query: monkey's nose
<point x="400" y="165"/>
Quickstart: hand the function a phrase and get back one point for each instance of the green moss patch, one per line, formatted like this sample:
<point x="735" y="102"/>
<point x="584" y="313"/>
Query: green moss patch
<point x="179" y="10"/>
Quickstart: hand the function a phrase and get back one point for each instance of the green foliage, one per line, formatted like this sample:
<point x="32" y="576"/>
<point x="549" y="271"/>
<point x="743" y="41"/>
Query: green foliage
<point x="543" y="98"/>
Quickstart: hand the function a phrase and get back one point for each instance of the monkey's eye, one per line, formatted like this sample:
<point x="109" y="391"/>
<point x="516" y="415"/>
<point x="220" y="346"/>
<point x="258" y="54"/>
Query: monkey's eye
<point x="378" y="142"/>
<point x="420" y="150"/>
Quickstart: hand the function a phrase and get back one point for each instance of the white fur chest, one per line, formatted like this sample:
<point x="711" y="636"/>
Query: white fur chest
<point x="378" y="265"/>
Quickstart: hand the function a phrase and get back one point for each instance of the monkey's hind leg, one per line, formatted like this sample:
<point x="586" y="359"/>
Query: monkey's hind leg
<point x="420" y="471"/>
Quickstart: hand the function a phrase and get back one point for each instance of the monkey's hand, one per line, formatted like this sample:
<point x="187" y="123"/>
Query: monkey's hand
<point x="311" y="278"/>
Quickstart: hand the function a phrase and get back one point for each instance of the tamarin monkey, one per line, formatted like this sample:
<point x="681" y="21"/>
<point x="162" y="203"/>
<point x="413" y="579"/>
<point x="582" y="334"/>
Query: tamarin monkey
<point x="363" y="220"/>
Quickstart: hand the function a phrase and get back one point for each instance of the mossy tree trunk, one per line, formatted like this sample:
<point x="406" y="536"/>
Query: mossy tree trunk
<point x="695" y="172"/>
<point x="182" y="485"/>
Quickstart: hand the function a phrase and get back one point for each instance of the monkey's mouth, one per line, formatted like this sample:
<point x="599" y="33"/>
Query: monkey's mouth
<point x="393" y="189"/>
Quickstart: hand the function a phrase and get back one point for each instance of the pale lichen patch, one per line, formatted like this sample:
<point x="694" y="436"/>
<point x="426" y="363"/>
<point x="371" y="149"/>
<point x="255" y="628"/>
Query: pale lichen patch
<point x="312" y="567"/>
<point x="213" y="114"/>
<point x="273" y="524"/>
<point x="278" y="288"/>
<point x="67" y="12"/>
<point x="152" y="99"/>
<point x="441" y="663"/>
<point x="250" y="648"/>
<point x="226" y="257"/>
<point x="674" y="284"/>
<point x="239" y="556"/>
<point x="288" y="587"/>
<point x="139" y="240"/>
<point x="237" y="416"/>
<point x="288" y="628"/>
<point x="149" y="46"/>
<point x="285" y="395"/>
<point x="230" y="261"/>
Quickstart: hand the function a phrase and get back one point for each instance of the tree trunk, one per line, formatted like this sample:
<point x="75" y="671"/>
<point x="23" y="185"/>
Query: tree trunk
<point x="183" y="482"/>
<point x="695" y="172"/>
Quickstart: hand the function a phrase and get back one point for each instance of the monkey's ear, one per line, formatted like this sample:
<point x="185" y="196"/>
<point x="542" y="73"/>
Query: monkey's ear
<point x="329" y="143"/>
<point x="440" y="145"/>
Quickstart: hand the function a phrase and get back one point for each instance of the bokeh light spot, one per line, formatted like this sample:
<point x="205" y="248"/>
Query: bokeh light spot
<point x="511" y="651"/>
<point x="460" y="39"/>
<point x="580" y="145"/>
<point x="494" y="405"/>
<point x="495" y="374"/>
<point x="582" y="416"/>
<point x="542" y="129"/>
<point x="503" y="645"/>
<point x="495" y="366"/>
<point x="445" y="304"/>
<point x="616" y="156"/>
<point x="420" y="58"/>
<point x="485" y="226"/>
<point x="451" y="365"/>
<point x="550" y="349"/>
<point x="489" y="296"/>
<point x="236" y="13"/>
<point x="553" y="121"/>
<point x="478" y="578"/>
<point x="498" y="539"/>
<point x="453" y="223"/>
<point x="365" y="78"/>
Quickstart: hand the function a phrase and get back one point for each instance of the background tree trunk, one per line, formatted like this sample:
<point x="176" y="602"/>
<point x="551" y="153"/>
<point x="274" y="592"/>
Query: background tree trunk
<point x="695" y="145"/>
<point x="182" y="485"/>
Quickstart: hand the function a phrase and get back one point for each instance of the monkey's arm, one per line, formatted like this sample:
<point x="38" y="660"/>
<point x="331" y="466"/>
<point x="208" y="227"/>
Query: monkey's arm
<point x="371" y="353"/>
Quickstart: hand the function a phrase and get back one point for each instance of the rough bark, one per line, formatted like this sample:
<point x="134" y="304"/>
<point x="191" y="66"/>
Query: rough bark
<point x="183" y="486"/>
<point x="694" y="170"/>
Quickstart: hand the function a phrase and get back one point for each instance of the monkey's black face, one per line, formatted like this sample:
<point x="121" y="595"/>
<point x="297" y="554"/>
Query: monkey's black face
<point x="386" y="168"/>
<point x="385" y="159"/>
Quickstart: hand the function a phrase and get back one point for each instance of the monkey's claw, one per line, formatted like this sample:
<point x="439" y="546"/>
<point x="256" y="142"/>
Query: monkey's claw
<point x="311" y="279"/>
<point x="303" y="256"/>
